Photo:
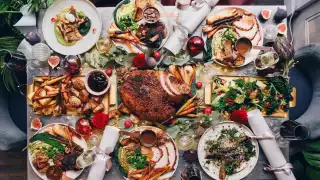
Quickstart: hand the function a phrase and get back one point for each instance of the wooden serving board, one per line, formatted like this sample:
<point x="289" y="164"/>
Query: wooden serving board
<point x="105" y="100"/>
<point x="208" y="93"/>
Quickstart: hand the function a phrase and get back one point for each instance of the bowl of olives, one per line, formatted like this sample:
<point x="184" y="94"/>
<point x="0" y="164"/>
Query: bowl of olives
<point x="97" y="82"/>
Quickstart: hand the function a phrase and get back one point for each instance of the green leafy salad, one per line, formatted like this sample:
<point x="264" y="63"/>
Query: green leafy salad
<point x="270" y="96"/>
<point x="229" y="150"/>
<point x="124" y="16"/>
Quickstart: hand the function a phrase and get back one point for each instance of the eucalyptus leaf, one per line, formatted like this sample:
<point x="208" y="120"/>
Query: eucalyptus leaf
<point x="173" y="131"/>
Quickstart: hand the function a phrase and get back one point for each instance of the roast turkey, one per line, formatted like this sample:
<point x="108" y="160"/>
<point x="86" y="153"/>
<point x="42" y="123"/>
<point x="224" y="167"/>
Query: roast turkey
<point x="147" y="94"/>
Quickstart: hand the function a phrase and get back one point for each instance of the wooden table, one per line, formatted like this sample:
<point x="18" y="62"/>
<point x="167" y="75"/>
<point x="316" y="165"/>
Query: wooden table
<point x="114" y="174"/>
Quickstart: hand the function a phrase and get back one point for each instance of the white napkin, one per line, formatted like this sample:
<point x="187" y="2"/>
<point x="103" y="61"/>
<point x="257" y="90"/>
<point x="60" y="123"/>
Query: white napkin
<point x="176" y="41"/>
<point x="28" y="21"/>
<point x="187" y="22"/>
<point x="108" y="142"/>
<point x="192" y="17"/>
<point x="270" y="147"/>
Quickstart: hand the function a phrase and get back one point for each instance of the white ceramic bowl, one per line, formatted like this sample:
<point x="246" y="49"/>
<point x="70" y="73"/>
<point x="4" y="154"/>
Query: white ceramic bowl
<point x="87" y="85"/>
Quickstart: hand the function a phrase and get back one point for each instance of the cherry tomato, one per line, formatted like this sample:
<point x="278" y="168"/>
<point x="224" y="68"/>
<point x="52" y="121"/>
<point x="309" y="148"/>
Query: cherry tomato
<point x="173" y="121"/>
<point x="199" y="85"/>
<point x="157" y="55"/>
<point x="127" y="124"/>
<point x="109" y="71"/>
<point x="53" y="19"/>
<point x="207" y="110"/>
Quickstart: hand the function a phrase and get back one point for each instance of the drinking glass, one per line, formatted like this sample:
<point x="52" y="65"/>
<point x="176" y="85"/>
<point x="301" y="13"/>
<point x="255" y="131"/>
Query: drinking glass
<point x="292" y="130"/>
<point x="191" y="173"/>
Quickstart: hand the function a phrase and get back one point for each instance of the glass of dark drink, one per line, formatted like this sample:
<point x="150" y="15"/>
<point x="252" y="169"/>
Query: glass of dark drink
<point x="72" y="64"/>
<point x="292" y="130"/>
<point x="191" y="173"/>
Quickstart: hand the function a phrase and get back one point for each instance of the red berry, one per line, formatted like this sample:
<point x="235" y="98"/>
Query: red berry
<point x="127" y="124"/>
<point x="53" y="19"/>
<point x="199" y="85"/>
<point x="173" y="121"/>
<point x="140" y="61"/>
<point x="207" y="110"/>
<point x="109" y="71"/>
<point x="157" y="55"/>
<point x="281" y="96"/>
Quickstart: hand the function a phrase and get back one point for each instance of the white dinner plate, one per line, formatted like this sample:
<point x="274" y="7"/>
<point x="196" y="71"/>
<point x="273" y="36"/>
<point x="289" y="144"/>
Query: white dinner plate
<point x="212" y="134"/>
<point x="83" y="45"/>
<point x="71" y="174"/>
<point x="249" y="57"/>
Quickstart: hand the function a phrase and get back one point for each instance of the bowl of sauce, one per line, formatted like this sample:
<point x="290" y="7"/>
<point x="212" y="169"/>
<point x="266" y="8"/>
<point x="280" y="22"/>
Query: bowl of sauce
<point x="97" y="82"/>
<point x="243" y="45"/>
<point x="151" y="15"/>
<point x="148" y="138"/>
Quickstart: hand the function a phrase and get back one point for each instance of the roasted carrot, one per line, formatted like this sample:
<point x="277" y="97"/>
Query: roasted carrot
<point x="188" y="111"/>
<point x="53" y="81"/>
<point x="192" y="115"/>
<point x="192" y="105"/>
<point x="186" y="104"/>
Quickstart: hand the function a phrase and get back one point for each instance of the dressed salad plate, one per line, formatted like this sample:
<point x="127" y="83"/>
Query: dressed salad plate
<point x="226" y="151"/>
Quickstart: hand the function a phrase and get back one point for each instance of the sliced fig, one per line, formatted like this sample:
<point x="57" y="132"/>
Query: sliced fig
<point x="36" y="124"/>
<point x="265" y="14"/>
<point x="54" y="61"/>
<point x="282" y="28"/>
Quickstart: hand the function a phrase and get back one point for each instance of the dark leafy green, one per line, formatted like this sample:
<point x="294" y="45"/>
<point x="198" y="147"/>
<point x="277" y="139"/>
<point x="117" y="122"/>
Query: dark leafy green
<point x="208" y="53"/>
<point x="49" y="139"/>
<point x="269" y="96"/>
<point x="84" y="27"/>
<point x="137" y="160"/>
<point x="239" y="82"/>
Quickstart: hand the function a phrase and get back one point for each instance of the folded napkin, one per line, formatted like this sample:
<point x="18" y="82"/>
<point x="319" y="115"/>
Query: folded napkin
<point x="187" y="22"/>
<point x="278" y="163"/>
<point x="102" y="162"/>
<point x="192" y="17"/>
